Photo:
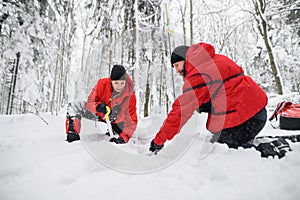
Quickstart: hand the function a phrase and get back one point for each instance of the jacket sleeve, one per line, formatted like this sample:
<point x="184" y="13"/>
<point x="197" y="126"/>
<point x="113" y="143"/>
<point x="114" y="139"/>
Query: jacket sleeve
<point x="93" y="98"/>
<point x="130" y="119"/>
<point x="182" y="110"/>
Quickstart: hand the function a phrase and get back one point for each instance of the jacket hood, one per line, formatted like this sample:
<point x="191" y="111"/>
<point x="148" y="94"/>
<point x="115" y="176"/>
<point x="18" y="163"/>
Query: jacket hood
<point x="198" y="54"/>
<point x="129" y="84"/>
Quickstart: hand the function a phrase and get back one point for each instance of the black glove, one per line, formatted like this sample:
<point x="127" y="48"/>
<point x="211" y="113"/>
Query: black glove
<point x="118" y="140"/>
<point x="154" y="147"/>
<point x="114" y="113"/>
<point x="101" y="108"/>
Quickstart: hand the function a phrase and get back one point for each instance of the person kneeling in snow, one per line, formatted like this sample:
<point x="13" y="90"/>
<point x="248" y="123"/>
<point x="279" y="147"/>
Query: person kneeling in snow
<point x="116" y="92"/>
<point x="215" y="84"/>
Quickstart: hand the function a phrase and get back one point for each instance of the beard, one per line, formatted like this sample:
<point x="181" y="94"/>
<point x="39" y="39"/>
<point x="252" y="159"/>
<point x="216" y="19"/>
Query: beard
<point x="181" y="73"/>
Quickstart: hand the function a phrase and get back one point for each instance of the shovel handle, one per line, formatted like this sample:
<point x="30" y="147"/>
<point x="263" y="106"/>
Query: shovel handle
<point x="107" y="113"/>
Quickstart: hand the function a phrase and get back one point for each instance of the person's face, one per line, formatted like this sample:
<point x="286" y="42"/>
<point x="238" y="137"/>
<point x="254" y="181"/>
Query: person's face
<point x="179" y="67"/>
<point x="118" y="85"/>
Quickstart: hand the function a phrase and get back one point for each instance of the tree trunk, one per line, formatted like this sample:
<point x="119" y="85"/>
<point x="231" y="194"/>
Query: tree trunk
<point x="60" y="75"/>
<point x="54" y="83"/>
<point x="134" y="35"/>
<point x="147" y="95"/>
<point x="13" y="85"/>
<point x="183" y="12"/>
<point x="272" y="60"/>
<point x="191" y="22"/>
<point x="260" y="9"/>
<point x="110" y="55"/>
<point x="170" y="51"/>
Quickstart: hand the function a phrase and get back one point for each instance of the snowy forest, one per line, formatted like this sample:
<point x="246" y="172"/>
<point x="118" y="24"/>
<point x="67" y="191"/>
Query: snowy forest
<point x="54" y="51"/>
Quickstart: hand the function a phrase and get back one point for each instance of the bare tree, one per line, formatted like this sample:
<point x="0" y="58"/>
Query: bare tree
<point x="10" y="103"/>
<point x="64" y="11"/>
<point x="191" y="22"/>
<point x="183" y="9"/>
<point x="262" y="23"/>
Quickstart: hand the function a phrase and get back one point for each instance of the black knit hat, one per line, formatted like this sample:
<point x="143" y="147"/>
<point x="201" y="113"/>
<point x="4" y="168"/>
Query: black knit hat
<point x="118" y="72"/>
<point x="179" y="54"/>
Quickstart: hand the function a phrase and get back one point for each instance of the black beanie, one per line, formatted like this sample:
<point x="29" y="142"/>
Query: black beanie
<point x="179" y="54"/>
<point x="118" y="72"/>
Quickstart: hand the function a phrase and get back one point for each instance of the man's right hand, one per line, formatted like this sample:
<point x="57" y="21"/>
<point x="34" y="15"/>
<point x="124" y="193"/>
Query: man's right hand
<point x="101" y="108"/>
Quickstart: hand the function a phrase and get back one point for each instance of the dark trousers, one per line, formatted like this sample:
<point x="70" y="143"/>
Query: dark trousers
<point x="241" y="134"/>
<point x="117" y="128"/>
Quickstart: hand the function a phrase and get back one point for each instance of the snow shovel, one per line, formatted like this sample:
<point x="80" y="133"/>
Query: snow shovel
<point x="108" y="123"/>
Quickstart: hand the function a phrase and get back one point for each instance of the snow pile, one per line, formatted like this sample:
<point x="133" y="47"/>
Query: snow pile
<point x="37" y="163"/>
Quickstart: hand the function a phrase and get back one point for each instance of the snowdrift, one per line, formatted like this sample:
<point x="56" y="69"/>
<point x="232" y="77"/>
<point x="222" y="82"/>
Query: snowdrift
<point x="37" y="163"/>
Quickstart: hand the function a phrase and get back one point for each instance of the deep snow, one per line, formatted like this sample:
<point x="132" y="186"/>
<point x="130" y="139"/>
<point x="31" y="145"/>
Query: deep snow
<point x="37" y="163"/>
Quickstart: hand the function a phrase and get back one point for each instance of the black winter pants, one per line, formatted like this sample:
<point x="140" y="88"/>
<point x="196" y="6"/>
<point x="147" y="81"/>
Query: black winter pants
<point x="241" y="134"/>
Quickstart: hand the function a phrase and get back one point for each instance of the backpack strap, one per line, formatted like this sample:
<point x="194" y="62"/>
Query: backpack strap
<point x="207" y="107"/>
<point x="279" y="109"/>
<point x="212" y="82"/>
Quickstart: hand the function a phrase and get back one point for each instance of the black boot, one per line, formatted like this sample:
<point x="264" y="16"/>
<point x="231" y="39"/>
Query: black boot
<point x="72" y="137"/>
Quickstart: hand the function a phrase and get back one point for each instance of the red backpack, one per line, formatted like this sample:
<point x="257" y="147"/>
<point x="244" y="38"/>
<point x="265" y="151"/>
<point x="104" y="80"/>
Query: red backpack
<point x="289" y="115"/>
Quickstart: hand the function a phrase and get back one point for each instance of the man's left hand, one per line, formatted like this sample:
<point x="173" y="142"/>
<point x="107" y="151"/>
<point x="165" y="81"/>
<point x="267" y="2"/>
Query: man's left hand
<point x="155" y="147"/>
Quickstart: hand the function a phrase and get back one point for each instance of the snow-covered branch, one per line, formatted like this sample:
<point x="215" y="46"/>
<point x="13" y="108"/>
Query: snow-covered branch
<point x="35" y="112"/>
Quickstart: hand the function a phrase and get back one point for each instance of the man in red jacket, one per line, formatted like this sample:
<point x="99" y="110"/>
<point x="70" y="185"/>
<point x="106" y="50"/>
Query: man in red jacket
<point x="116" y="92"/>
<point x="214" y="84"/>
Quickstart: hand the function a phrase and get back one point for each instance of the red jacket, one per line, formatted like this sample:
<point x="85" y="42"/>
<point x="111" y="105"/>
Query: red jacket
<point x="102" y="93"/>
<point x="214" y="78"/>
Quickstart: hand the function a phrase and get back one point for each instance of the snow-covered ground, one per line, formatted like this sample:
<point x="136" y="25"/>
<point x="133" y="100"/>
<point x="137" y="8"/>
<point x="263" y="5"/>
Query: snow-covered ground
<point x="37" y="163"/>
